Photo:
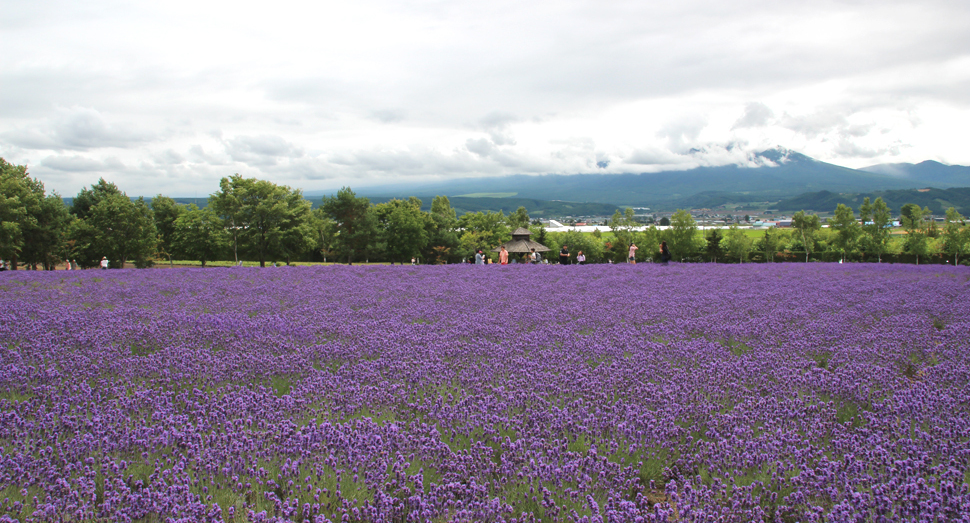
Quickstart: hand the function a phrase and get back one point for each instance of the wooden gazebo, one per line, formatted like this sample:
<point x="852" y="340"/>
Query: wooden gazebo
<point x="521" y="243"/>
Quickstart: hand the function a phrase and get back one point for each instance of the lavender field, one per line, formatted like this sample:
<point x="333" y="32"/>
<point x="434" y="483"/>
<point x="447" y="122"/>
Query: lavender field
<point x="795" y="392"/>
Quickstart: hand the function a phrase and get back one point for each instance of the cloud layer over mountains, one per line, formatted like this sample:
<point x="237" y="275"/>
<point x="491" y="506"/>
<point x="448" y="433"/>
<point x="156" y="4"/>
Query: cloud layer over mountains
<point x="169" y="97"/>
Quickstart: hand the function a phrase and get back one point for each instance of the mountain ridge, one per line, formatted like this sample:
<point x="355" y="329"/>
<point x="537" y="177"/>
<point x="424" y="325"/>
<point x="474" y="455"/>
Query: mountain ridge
<point x="783" y="174"/>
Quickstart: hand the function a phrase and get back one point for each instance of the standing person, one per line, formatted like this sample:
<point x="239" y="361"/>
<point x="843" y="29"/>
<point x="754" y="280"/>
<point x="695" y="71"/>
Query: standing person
<point x="104" y="263"/>
<point x="73" y="265"/>
<point x="479" y="259"/>
<point x="67" y="264"/>
<point x="503" y="256"/>
<point x="413" y="261"/>
<point x="580" y="258"/>
<point x="564" y="255"/>
<point x="664" y="253"/>
<point x="632" y="258"/>
<point x="534" y="255"/>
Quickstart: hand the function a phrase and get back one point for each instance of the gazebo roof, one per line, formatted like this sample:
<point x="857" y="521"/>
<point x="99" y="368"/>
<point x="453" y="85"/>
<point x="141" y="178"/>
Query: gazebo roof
<point x="521" y="243"/>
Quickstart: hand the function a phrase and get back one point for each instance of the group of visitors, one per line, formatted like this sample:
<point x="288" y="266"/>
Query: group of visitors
<point x="533" y="257"/>
<point x="664" y="253"/>
<point x="503" y="257"/>
<point x="71" y="265"/>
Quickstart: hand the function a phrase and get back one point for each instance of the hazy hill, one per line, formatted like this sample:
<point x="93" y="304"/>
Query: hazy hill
<point x="795" y="174"/>
<point x="937" y="200"/>
<point x="928" y="173"/>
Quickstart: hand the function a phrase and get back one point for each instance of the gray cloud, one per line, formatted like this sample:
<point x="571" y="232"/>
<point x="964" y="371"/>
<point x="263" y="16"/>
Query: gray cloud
<point x="75" y="163"/>
<point x="756" y="114"/>
<point x="77" y="129"/>
<point x="169" y="157"/>
<point x="261" y="150"/>
<point x="389" y="115"/>
<point x="481" y="147"/>
<point x="846" y="147"/>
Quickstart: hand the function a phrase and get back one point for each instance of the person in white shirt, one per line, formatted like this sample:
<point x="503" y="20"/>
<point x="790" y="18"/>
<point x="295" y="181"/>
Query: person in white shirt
<point x="104" y="262"/>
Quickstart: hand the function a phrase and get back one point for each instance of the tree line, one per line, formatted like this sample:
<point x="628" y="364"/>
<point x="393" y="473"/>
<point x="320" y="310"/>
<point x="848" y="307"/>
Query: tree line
<point x="257" y="220"/>
<point x="867" y="236"/>
<point x="246" y="219"/>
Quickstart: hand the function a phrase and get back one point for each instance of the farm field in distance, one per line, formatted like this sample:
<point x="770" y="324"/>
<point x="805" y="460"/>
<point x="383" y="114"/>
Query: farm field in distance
<point x="601" y="393"/>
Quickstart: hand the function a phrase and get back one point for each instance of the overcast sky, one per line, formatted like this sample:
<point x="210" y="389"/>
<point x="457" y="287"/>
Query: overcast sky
<point x="169" y="97"/>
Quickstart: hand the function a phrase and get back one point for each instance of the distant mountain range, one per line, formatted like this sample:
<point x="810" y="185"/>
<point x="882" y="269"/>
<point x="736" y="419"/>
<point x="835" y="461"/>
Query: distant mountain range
<point x="792" y="174"/>
<point x="937" y="200"/>
<point x="928" y="173"/>
<point x="793" y="182"/>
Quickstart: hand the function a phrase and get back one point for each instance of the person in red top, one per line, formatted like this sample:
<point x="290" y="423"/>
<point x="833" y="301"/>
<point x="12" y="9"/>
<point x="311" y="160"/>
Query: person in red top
<point x="503" y="257"/>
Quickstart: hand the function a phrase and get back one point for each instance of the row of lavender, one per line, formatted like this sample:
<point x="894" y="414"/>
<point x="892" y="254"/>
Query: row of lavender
<point x="626" y="393"/>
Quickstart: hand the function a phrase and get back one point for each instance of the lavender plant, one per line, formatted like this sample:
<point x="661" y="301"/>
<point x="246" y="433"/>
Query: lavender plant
<point x="796" y="392"/>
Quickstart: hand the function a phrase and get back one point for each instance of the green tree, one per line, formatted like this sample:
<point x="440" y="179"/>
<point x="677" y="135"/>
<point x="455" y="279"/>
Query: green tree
<point x="910" y="211"/>
<point x="737" y="243"/>
<point x="46" y="237"/>
<point x="199" y="234"/>
<point x="356" y="223"/>
<point x="519" y="218"/>
<point x="956" y="235"/>
<point x="847" y="229"/>
<point x="124" y="230"/>
<point x="325" y="233"/>
<point x="33" y="225"/>
<point x="483" y="230"/>
<point x="404" y="228"/>
<point x="682" y="234"/>
<point x="917" y="239"/>
<point x="442" y="243"/>
<point x="713" y="241"/>
<point x="768" y="244"/>
<point x="876" y="219"/>
<point x="624" y="228"/>
<point x="227" y="204"/>
<point x="88" y="198"/>
<point x="166" y="212"/>
<point x="276" y="221"/>
<point x="807" y="226"/>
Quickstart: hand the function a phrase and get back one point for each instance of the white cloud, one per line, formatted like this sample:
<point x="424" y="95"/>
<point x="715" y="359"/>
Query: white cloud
<point x="359" y="92"/>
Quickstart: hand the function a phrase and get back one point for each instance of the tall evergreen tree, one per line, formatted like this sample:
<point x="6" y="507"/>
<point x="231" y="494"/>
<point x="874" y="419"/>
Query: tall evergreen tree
<point x="713" y="241"/>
